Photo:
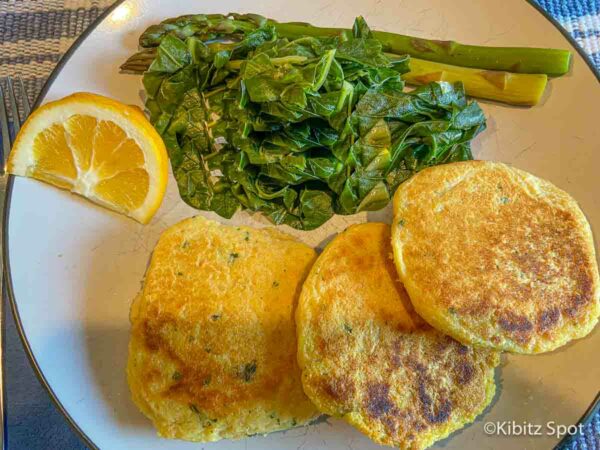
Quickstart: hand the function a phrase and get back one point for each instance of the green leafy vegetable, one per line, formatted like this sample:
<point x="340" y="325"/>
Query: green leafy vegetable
<point x="297" y="129"/>
<point x="553" y="62"/>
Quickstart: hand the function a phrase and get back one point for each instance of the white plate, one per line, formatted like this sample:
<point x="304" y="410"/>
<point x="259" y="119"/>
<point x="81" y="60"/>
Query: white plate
<point x="75" y="267"/>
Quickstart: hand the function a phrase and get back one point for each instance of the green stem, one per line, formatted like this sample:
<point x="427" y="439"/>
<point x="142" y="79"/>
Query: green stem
<point x="236" y="64"/>
<point x="551" y="62"/>
<point x="140" y="61"/>
<point x="513" y="88"/>
<point x="506" y="87"/>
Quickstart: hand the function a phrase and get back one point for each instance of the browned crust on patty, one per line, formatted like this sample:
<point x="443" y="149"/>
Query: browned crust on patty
<point x="213" y="344"/>
<point x="495" y="256"/>
<point x="367" y="357"/>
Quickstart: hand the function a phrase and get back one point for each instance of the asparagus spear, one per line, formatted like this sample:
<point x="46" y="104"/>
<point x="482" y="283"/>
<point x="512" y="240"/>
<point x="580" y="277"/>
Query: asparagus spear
<point x="552" y="62"/>
<point x="506" y="87"/>
<point x="547" y="61"/>
<point x="139" y="62"/>
<point x="512" y="88"/>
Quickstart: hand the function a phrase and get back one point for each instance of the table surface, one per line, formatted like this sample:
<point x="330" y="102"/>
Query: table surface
<point x="33" y="37"/>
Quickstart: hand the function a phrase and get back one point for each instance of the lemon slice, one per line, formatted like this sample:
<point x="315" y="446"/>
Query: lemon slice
<point x="97" y="147"/>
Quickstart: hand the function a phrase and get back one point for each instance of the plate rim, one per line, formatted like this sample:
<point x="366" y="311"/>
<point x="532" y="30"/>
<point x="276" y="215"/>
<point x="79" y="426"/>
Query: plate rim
<point x="584" y="420"/>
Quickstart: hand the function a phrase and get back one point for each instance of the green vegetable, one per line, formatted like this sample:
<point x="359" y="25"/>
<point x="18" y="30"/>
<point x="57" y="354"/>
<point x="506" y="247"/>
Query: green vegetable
<point x="297" y="129"/>
<point x="551" y="62"/>
<point x="512" y="88"/>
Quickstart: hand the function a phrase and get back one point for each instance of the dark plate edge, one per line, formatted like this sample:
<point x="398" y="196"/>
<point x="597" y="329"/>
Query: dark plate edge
<point x="568" y="37"/>
<point x="594" y="407"/>
<point x="585" y="419"/>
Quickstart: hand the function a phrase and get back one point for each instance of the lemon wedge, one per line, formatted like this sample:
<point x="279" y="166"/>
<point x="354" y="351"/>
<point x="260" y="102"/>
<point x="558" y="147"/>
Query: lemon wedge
<point x="97" y="147"/>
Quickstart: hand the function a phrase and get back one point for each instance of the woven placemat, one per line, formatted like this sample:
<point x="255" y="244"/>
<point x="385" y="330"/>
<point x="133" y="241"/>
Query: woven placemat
<point x="35" y="34"/>
<point x="33" y="37"/>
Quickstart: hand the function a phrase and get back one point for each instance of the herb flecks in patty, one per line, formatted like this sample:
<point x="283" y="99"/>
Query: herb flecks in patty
<point x="248" y="371"/>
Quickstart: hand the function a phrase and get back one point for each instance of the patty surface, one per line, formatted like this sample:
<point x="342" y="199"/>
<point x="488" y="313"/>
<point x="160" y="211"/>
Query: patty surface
<point x="368" y="358"/>
<point x="212" y="352"/>
<point x="494" y="256"/>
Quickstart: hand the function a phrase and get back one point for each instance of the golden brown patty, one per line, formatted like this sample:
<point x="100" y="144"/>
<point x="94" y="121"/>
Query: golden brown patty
<point x="494" y="256"/>
<point x="213" y="346"/>
<point x="368" y="358"/>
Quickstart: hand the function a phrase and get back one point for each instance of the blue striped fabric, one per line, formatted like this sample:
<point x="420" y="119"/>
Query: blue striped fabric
<point x="581" y="18"/>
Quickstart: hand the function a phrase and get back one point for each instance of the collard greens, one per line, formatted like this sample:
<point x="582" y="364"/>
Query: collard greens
<point x="297" y="129"/>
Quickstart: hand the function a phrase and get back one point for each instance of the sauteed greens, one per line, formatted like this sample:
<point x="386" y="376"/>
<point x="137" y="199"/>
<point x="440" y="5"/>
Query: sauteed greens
<point x="298" y="129"/>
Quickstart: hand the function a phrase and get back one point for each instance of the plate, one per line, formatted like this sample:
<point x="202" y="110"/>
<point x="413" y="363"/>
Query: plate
<point x="75" y="267"/>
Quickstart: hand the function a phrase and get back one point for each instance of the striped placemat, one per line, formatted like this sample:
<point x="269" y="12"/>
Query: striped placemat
<point x="34" y="34"/>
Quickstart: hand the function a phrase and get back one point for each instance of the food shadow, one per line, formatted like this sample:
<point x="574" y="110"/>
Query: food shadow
<point x="110" y="289"/>
<point x="384" y="215"/>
